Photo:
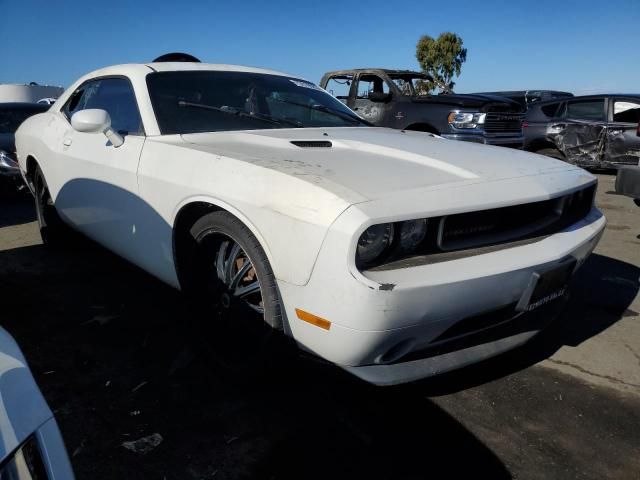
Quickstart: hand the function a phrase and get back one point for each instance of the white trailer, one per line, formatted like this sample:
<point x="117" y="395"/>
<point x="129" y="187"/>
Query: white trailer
<point x="31" y="93"/>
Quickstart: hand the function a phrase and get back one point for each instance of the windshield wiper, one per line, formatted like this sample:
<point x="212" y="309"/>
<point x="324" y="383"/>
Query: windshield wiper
<point x="239" y="113"/>
<point x="325" y="109"/>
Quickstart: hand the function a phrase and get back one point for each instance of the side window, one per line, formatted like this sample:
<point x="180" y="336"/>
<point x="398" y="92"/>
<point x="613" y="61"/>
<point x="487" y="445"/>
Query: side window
<point x="75" y="102"/>
<point x="550" y="110"/>
<point x="371" y="83"/>
<point x="590" y="110"/>
<point x="403" y="84"/>
<point x="339" y="86"/>
<point x="625" y="111"/>
<point x="114" y="95"/>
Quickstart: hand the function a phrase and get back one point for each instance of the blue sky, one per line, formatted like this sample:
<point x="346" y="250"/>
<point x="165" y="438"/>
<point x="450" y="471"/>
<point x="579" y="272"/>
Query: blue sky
<point x="581" y="46"/>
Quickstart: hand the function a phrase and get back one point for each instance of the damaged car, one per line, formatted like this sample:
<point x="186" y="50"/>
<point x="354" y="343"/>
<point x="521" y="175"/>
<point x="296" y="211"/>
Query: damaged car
<point x="397" y="99"/>
<point x="527" y="97"/>
<point x="393" y="254"/>
<point x="595" y="131"/>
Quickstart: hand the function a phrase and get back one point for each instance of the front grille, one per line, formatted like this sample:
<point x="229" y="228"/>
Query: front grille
<point x="475" y="233"/>
<point x="501" y="225"/>
<point x="498" y="122"/>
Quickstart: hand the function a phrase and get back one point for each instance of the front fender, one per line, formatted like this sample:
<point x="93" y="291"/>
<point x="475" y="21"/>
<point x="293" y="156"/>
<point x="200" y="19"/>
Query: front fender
<point x="290" y="217"/>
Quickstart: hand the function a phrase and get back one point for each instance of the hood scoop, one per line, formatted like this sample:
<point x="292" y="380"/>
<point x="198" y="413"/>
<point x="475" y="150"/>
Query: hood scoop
<point x="312" y="143"/>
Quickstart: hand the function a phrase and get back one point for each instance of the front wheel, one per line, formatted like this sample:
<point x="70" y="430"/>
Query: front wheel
<point x="234" y="288"/>
<point x="53" y="230"/>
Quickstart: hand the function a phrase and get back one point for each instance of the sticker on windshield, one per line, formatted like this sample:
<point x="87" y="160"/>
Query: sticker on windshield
<point x="304" y="84"/>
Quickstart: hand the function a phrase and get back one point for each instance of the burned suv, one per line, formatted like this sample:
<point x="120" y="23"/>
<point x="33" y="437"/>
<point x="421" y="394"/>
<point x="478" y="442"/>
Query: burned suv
<point x="397" y="99"/>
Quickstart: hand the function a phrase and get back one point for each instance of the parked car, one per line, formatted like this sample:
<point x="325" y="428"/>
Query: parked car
<point x="394" y="254"/>
<point x="396" y="99"/>
<point x="11" y="116"/>
<point x="31" y="447"/>
<point x="597" y="131"/>
<point x="527" y="97"/>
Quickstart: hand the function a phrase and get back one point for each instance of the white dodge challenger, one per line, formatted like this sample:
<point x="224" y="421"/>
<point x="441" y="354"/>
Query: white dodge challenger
<point x="393" y="254"/>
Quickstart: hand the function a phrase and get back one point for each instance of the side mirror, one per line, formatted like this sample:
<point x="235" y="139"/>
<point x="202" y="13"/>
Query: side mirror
<point x="95" y="120"/>
<point x="379" y="97"/>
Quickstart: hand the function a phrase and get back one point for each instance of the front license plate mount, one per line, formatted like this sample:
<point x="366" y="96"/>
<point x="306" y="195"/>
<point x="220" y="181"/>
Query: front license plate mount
<point x="546" y="286"/>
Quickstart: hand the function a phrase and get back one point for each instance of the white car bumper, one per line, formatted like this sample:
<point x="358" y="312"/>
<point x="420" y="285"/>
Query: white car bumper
<point x="394" y="326"/>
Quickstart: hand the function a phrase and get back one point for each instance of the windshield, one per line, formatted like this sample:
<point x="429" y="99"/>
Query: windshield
<point x="210" y="101"/>
<point x="410" y="84"/>
<point x="10" y="120"/>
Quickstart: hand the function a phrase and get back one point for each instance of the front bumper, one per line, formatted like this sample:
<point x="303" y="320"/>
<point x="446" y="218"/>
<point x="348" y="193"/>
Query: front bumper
<point x="502" y="335"/>
<point x="516" y="141"/>
<point x="381" y="318"/>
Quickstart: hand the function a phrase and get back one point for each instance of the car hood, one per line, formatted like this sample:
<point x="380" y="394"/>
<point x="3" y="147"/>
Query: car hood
<point x="472" y="100"/>
<point x="365" y="163"/>
<point x="22" y="407"/>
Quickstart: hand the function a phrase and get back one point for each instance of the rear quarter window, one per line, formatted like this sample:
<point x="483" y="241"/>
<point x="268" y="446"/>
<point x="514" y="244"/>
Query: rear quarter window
<point x="626" y="111"/>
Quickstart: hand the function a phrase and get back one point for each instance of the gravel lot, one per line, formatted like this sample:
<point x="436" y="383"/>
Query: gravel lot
<point x="109" y="347"/>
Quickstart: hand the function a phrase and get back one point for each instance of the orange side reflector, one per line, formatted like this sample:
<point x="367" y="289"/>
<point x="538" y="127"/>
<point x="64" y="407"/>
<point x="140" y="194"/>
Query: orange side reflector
<point x="313" y="320"/>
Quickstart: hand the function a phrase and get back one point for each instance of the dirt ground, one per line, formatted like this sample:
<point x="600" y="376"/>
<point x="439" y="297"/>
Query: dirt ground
<point x="112" y="354"/>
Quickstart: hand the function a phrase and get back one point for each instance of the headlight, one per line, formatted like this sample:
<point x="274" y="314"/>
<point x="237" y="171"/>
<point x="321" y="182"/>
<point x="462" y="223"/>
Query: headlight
<point x="412" y="234"/>
<point x="466" y="119"/>
<point x="7" y="160"/>
<point x="373" y="242"/>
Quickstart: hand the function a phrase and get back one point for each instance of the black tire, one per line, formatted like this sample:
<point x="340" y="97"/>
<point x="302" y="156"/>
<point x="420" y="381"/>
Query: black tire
<point x="53" y="230"/>
<point x="242" y="334"/>
<point x="553" y="153"/>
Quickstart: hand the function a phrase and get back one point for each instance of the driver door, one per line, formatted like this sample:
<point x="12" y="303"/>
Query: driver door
<point x="101" y="197"/>
<point x="624" y="142"/>
<point x="581" y="132"/>
<point x="374" y="112"/>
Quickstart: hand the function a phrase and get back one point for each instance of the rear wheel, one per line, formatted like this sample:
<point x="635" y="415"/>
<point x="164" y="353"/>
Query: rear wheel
<point x="234" y="289"/>
<point x="553" y="153"/>
<point x="53" y="230"/>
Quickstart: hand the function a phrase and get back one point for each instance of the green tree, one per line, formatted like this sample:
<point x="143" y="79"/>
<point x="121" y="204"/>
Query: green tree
<point x="441" y="59"/>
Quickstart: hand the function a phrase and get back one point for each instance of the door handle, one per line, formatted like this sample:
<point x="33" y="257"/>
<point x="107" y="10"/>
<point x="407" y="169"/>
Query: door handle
<point x="67" y="142"/>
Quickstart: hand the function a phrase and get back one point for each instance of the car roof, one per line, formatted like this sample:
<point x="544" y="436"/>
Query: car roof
<point x="585" y="97"/>
<point x="605" y="95"/>
<point x="523" y="92"/>
<point x="193" y="66"/>
<point x="143" y="68"/>
<point x="385" y="70"/>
